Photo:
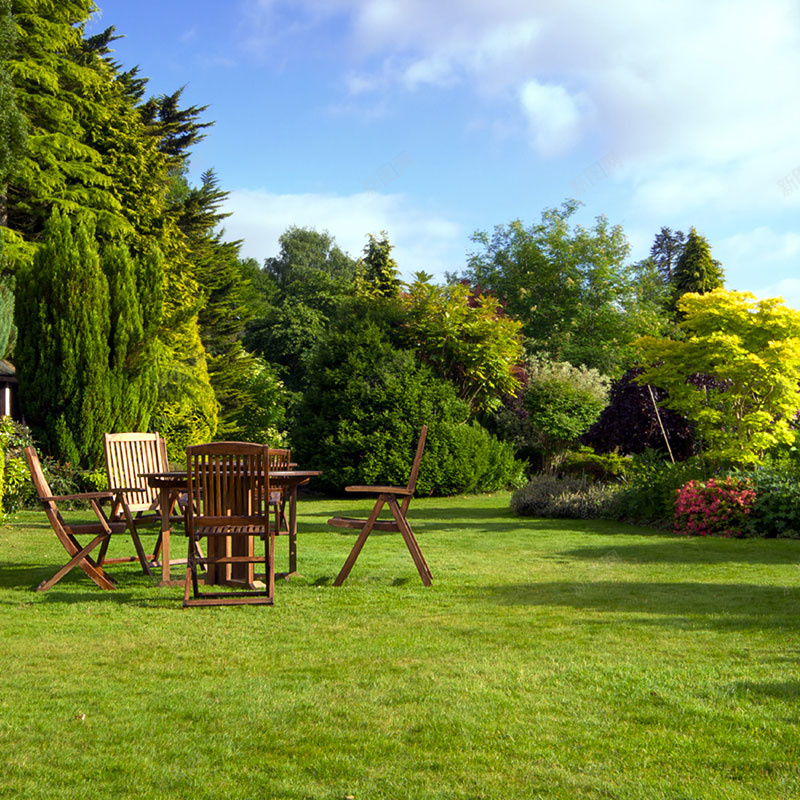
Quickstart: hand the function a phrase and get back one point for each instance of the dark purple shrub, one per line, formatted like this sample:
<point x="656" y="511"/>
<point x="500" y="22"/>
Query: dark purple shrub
<point x="629" y="423"/>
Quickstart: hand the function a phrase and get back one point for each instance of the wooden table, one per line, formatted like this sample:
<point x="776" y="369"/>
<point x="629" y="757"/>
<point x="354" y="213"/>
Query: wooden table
<point x="170" y="484"/>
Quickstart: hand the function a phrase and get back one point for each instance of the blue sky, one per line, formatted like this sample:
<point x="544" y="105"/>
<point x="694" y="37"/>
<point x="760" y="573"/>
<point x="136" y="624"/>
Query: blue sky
<point x="432" y="121"/>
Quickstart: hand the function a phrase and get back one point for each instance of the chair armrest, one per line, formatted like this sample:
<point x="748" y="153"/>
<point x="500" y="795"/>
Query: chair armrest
<point x="85" y="496"/>
<point x="379" y="489"/>
<point x="128" y="489"/>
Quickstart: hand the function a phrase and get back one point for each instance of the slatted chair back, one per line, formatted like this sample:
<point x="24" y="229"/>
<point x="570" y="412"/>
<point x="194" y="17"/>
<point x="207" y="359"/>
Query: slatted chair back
<point x="229" y="496"/>
<point x="128" y="456"/>
<point x="280" y="458"/>
<point x="228" y="484"/>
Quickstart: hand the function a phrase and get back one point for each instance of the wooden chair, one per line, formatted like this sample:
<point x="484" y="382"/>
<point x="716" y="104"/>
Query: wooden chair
<point x="229" y="505"/>
<point x="101" y="531"/>
<point x="280" y="459"/>
<point x="388" y="495"/>
<point x="128" y="456"/>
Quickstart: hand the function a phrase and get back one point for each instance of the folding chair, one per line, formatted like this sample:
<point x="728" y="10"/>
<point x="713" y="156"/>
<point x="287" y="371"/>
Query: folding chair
<point x="128" y="457"/>
<point x="387" y="495"/>
<point x="229" y="505"/>
<point x="101" y="531"/>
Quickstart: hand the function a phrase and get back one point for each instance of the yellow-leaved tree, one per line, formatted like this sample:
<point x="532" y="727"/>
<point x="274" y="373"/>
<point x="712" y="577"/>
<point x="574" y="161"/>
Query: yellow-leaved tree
<point x="735" y="375"/>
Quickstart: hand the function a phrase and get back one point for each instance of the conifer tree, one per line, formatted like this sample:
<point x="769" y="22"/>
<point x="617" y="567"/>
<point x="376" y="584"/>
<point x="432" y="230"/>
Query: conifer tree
<point x="62" y="313"/>
<point x="132" y="343"/>
<point x="8" y="331"/>
<point x="62" y="91"/>
<point x="696" y="271"/>
<point x="12" y="123"/>
<point x="378" y="275"/>
<point x="666" y="250"/>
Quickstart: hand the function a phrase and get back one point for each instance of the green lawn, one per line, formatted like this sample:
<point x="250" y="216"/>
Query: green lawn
<point x="549" y="660"/>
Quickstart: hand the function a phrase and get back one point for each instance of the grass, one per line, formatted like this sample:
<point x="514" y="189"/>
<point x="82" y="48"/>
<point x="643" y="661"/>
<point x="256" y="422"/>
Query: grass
<point x="550" y="659"/>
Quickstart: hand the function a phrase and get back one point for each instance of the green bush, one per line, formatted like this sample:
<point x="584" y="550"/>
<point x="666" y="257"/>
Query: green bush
<point x="585" y="462"/>
<point x="17" y="489"/>
<point x="650" y="487"/>
<point x="464" y="458"/>
<point x="546" y="495"/>
<point x="562" y="402"/>
<point x="361" y="411"/>
<point x="776" y="509"/>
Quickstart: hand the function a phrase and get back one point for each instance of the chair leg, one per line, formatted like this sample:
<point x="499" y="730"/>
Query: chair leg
<point x="157" y="548"/>
<point x="101" y="556"/>
<point x="362" y="537"/>
<point x="190" y="581"/>
<point x="137" y="542"/>
<point x="411" y="542"/>
<point x="269" y="545"/>
<point x="186" y="584"/>
<point x="94" y="571"/>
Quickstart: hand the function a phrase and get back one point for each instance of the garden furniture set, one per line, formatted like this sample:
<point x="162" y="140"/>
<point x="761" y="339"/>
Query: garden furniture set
<point x="230" y="495"/>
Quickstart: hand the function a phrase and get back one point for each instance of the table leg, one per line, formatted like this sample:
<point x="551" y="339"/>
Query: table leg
<point x="292" y="530"/>
<point x="166" y="530"/>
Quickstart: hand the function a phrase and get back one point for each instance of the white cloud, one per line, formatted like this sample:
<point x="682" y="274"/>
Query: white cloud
<point x="696" y="98"/>
<point x="422" y="240"/>
<point x="553" y="115"/>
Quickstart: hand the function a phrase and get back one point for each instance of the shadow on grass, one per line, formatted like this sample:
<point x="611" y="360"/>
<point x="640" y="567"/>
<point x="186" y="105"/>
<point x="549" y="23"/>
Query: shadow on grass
<point x="487" y="520"/>
<point x="681" y="550"/>
<point x="76" y="587"/>
<point x="782" y="690"/>
<point x="716" y="605"/>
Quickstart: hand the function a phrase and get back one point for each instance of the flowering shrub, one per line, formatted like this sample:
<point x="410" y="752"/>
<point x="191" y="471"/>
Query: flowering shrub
<point x="718" y="507"/>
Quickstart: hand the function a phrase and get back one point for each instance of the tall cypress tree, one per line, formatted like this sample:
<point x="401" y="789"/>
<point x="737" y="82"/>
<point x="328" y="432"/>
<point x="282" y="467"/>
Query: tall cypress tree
<point x="132" y="350"/>
<point x="8" y="331"/>
<point x="62" y="313"/>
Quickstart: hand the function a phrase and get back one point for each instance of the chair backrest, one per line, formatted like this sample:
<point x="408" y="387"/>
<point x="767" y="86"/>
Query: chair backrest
<point x="43" y="490"/>
<point x="228" y="484"/>
<point x="128" y="455"/>
<point x="279" y="458"/>
<point x="412" y="478"/>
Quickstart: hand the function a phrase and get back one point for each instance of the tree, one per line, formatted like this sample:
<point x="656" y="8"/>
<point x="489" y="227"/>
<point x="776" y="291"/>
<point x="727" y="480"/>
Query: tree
<point x="750" y="349"/>
<point x="577" y="299"/>
<point x="94" y="149"/>
<point x="562" y="402"/>
<point x="666" y="251"/>
<point x="12" y="123"/>
<point x="8" y="330"/>
<point x="378" y="273"/>
<point x="364" y="404"/>
<point x="632" y="422"/>
<point x="64" y="91"/>
<point x="466" y="338"/>
<point x="696" y="271"/>
<point x="62" y="314"/>
<point x="302" y="288"/>
<point x="135" y="292"/>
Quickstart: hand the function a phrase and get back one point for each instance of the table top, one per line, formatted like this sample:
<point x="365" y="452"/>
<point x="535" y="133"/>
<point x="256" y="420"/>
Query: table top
<point x="177" y="478"/>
